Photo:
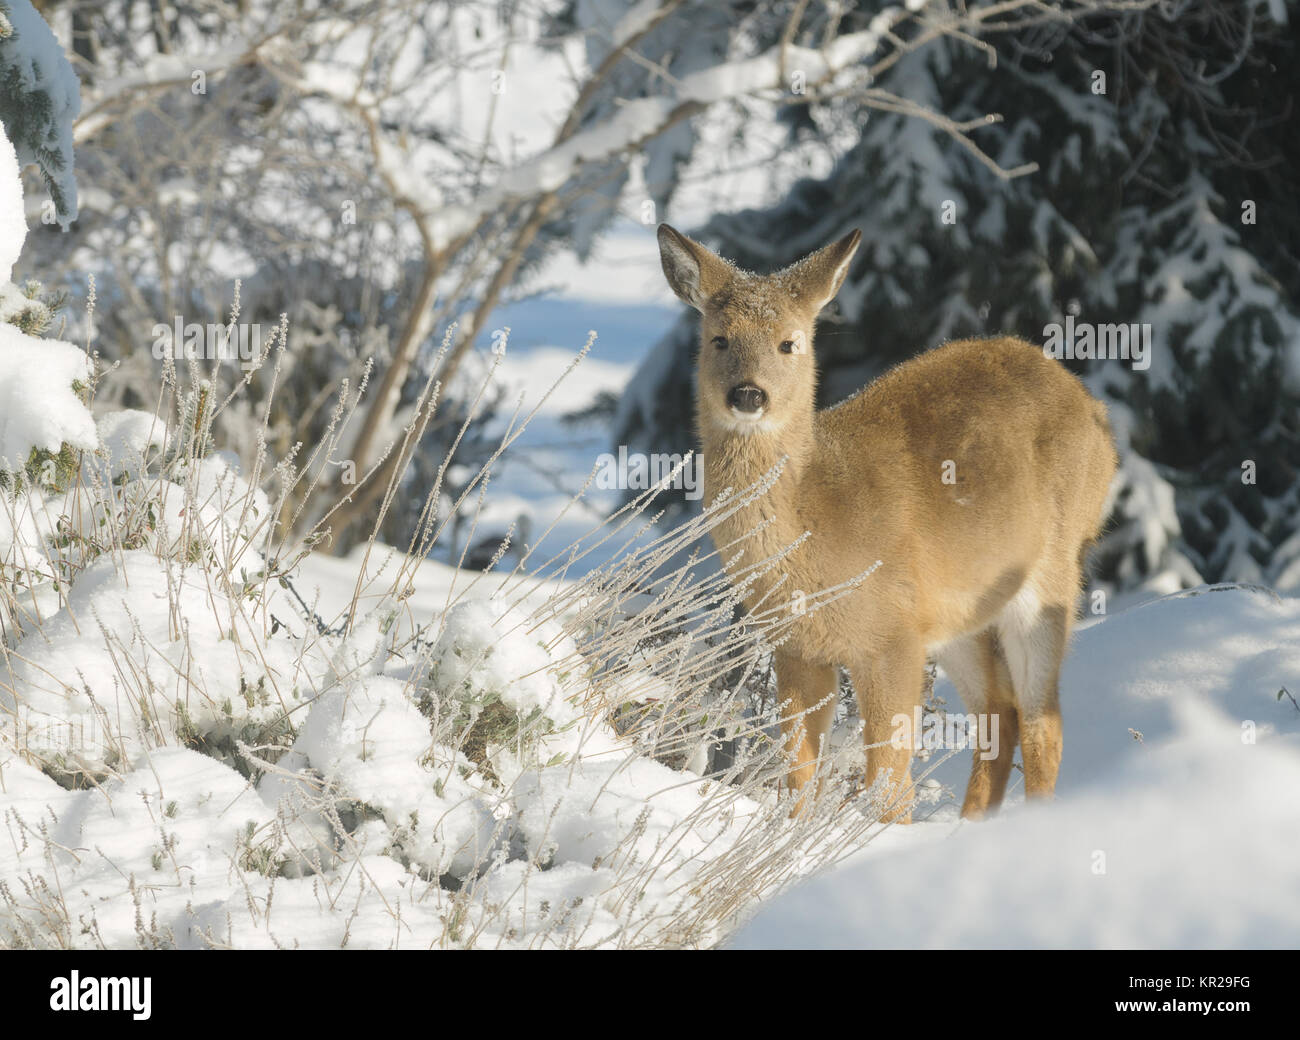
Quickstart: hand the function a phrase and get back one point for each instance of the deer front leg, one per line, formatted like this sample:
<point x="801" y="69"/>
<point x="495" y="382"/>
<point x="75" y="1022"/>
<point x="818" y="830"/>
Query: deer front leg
<point x="889" y="687"/>
<point x="807" y="695"/>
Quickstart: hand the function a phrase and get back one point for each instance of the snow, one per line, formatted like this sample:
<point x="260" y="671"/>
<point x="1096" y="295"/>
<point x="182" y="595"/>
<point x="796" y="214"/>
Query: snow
<point x="1190" y="845"/>
<point x="329" y="582"/>
<point x="38" y="406"/>
<point x="135" y="650"/>
<point x="497" y="652"/>
<point x="373" y="744"/>
<point x="13" y="221"/>
<point x="35" y="62"/>
<point x="536" y="370"/>
<point x="196" y="810"/>
<point x="551" y="460"/>
<point x="604" y="810"/>
<point x="159" y="835"/>
<point x="126" y="436"/>
<point x="636" y="19"/>
<point x="582" y="840"/>
<point x="1175" y="823"/>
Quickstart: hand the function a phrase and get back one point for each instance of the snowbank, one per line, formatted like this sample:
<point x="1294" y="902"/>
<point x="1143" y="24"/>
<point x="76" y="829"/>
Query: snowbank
<point x="38" y="406"/>
<point x="1177" y="818"/>
<point x="138" y="654"/>
<point x="1189" y="845"/>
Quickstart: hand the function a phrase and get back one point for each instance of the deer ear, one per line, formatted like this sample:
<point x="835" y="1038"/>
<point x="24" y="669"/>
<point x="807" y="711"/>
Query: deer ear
<point x="822" y="273"/>
<point x="694" y="272"/>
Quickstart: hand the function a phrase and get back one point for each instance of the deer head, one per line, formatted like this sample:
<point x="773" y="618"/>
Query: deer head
<point x="756" y="370"/>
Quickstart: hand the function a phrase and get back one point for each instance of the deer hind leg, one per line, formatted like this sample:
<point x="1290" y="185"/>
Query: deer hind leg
<point x="807" y="693"/>
<point x="978" y="669"/>
<point x="1034" y="635"/>
<point x="887" y="688"/>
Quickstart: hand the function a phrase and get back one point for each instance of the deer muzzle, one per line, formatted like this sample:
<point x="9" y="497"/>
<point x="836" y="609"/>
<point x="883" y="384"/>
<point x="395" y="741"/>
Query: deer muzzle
<point x="747" y="398"/>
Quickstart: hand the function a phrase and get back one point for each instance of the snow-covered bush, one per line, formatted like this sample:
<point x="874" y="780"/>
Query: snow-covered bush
<point x="42" y="381"/>
<point x="41" y="409"/>
<point x="137" y="657"/>
<point x="503" y="678"/>
<point x="489" y="652"/>
<point x="366" y="749"/>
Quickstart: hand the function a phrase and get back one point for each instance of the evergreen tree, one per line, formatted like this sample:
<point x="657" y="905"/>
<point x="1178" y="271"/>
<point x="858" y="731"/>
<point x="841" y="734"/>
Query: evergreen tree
<point x="39" y="99"/>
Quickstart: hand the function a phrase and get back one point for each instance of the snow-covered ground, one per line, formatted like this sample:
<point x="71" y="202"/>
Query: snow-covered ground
<point x="1177" y="822"/>
<point x="1175" y="826"/>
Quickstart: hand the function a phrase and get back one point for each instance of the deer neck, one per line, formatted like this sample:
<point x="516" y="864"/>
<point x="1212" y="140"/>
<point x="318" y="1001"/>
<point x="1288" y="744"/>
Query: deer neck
<point x="767" y="522"/>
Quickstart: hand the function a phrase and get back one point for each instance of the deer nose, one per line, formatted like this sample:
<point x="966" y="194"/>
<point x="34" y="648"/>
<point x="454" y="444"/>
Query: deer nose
<point x="747" y="398"/>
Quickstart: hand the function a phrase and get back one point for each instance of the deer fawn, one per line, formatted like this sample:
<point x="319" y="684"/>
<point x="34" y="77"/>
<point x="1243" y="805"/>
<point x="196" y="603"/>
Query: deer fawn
<point x="977" y="473"/>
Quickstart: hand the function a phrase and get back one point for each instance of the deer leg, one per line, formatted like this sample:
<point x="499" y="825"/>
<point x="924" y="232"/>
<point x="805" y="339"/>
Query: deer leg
<point x="807" y="693"/>
<point x="1034" y="637"/>
<point x="977" y="668"/>
<point x="889" y="691"/>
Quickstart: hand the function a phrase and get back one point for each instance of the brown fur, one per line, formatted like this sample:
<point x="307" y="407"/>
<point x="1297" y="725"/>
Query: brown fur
<point x="982" y="573"/>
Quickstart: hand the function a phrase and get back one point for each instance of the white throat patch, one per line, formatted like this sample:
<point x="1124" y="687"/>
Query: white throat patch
<point x="748" y="422"/>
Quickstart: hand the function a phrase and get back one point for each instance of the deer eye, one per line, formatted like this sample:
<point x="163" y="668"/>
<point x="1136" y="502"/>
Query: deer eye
<point x="787" y="346"/>
<point x="720" y="342"/>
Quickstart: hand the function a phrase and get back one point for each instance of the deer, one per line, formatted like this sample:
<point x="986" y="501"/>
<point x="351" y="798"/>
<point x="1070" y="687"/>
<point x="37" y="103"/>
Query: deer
<point x="977" y="473"/>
